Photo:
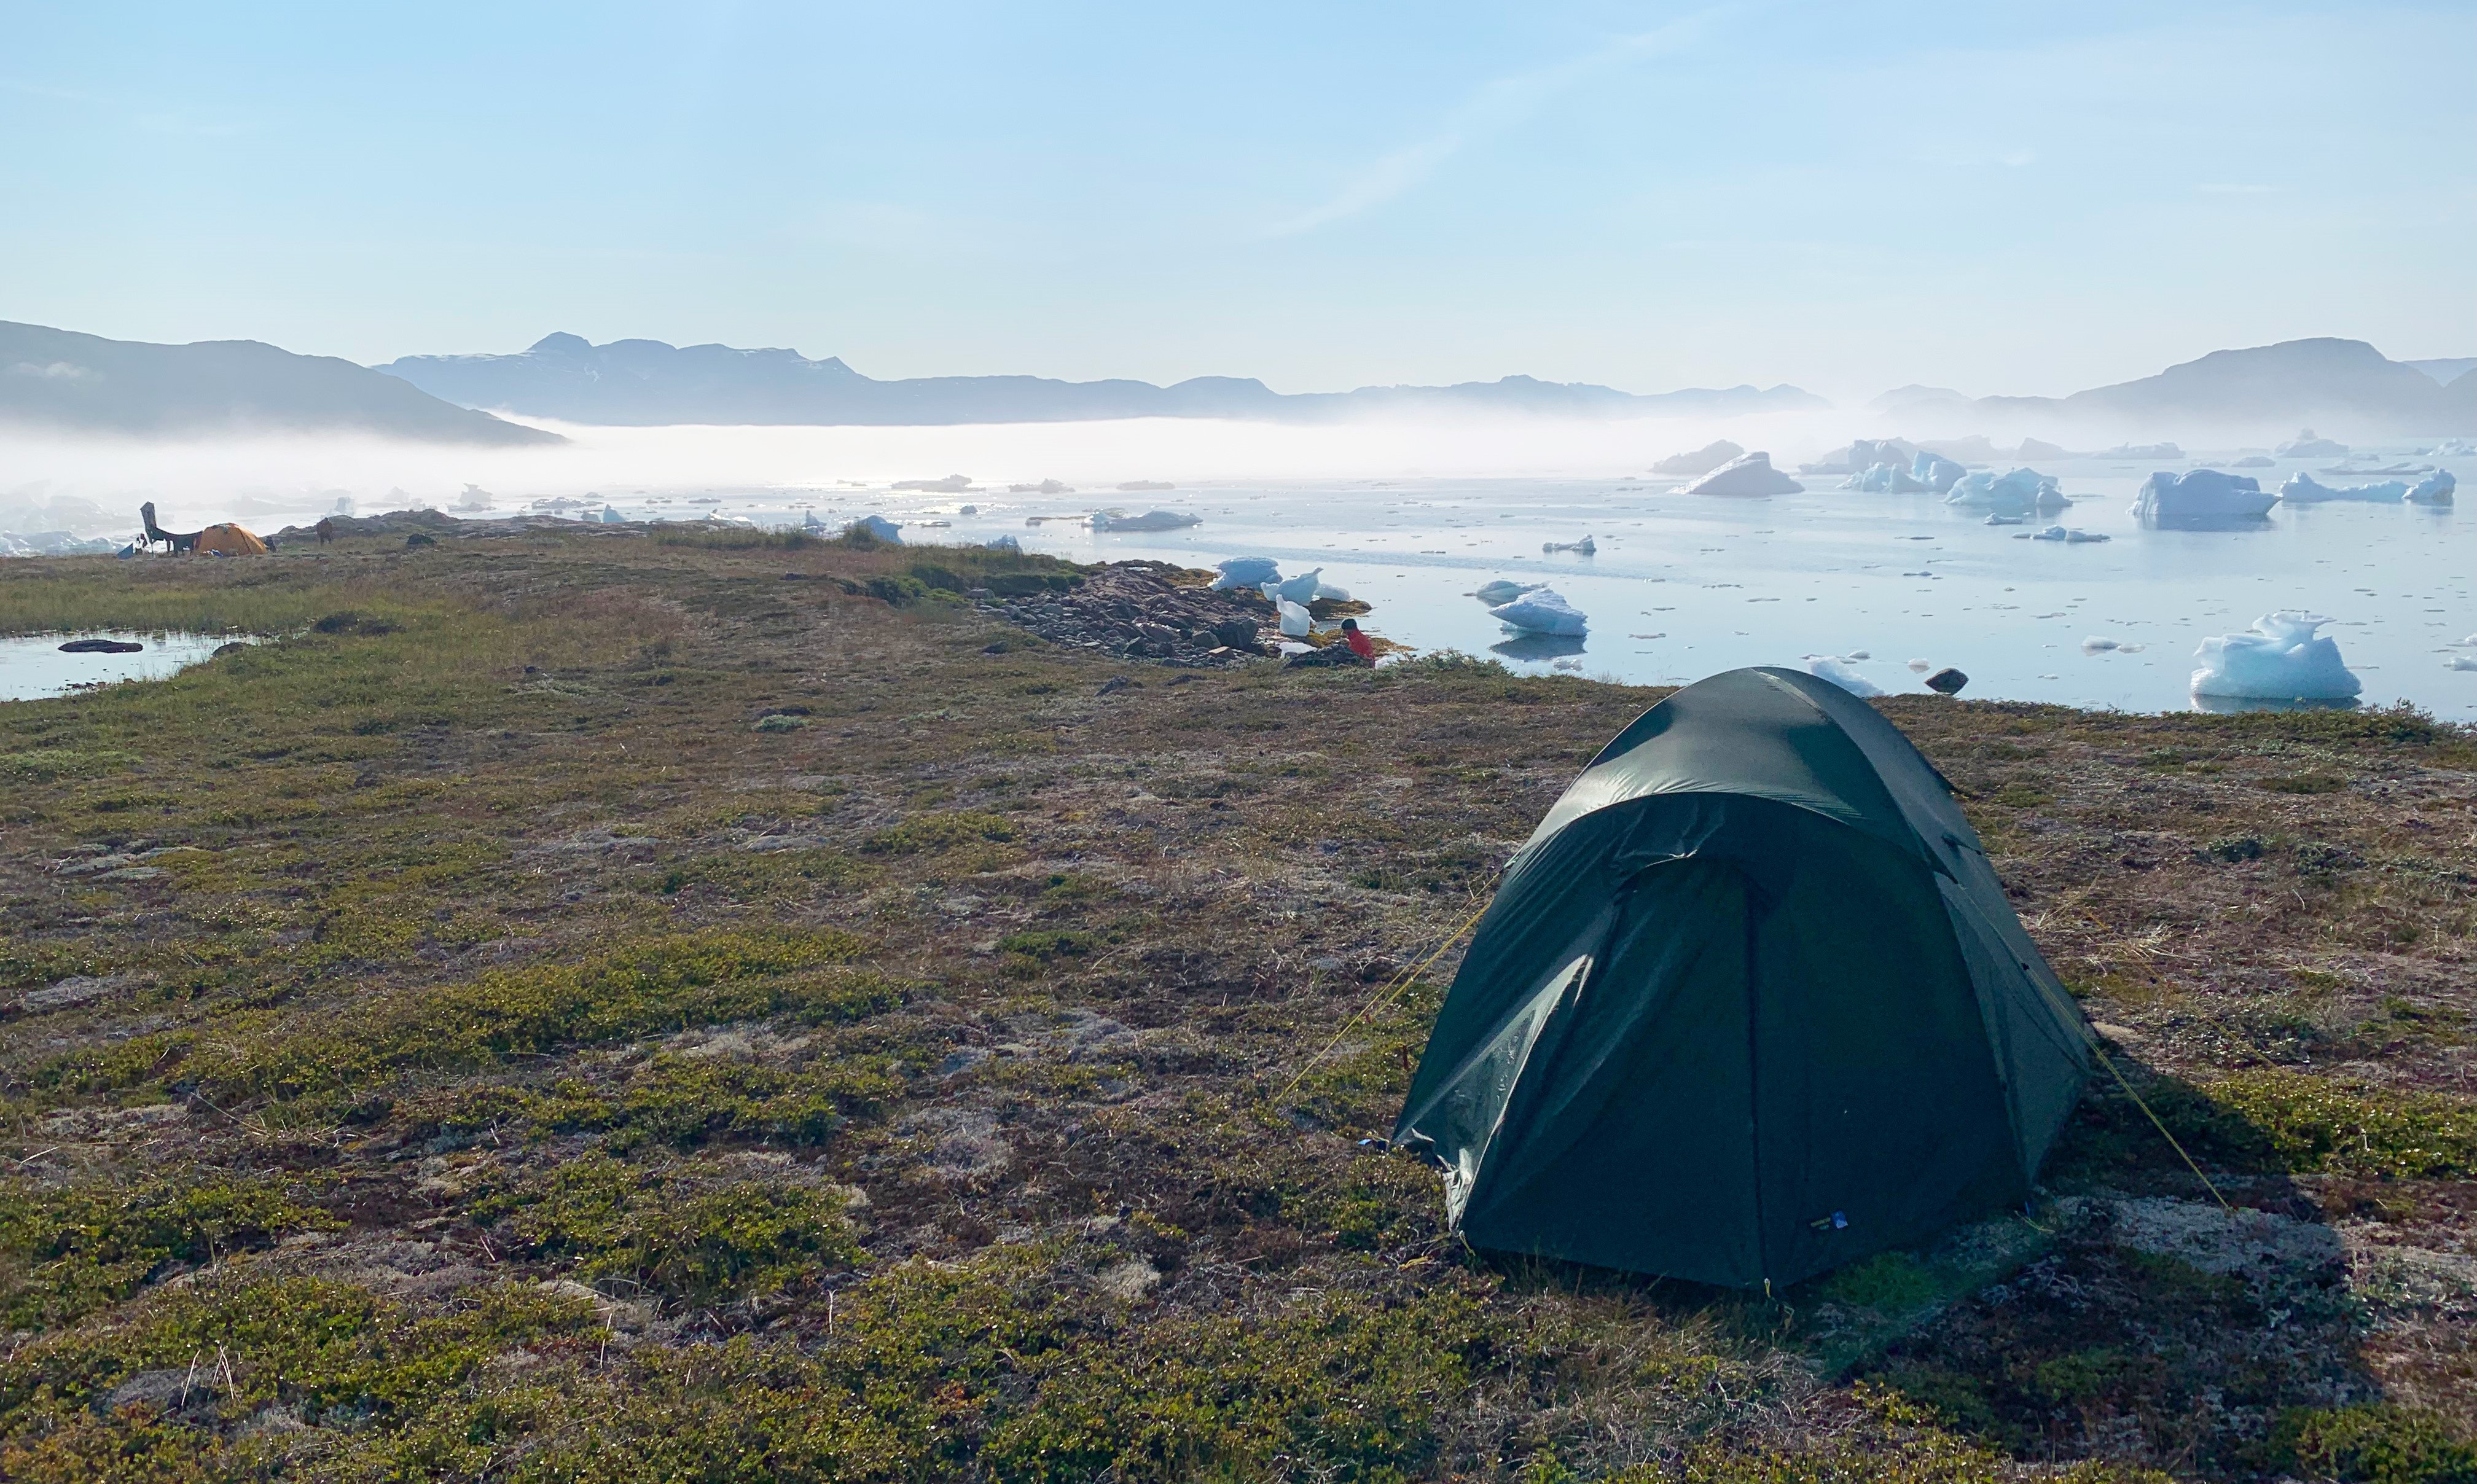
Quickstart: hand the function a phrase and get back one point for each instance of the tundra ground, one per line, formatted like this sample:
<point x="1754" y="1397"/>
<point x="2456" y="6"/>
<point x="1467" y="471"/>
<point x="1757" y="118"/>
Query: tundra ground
<point x="608" y="1007"/>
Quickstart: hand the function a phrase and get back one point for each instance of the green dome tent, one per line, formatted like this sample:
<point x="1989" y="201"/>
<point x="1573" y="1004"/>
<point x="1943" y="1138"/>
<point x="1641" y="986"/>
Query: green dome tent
<point x="1749" y="1005"/>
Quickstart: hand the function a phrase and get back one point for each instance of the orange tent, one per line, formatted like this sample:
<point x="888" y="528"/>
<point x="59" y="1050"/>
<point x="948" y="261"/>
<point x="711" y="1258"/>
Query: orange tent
<point x="230" y="541"/>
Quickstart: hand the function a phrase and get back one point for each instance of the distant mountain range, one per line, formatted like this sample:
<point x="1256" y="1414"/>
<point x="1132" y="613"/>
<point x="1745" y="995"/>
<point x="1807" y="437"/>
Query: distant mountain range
<point x="2347" y="384"/>
<point x="62" y="379"/>
<point x="642" y="382"/>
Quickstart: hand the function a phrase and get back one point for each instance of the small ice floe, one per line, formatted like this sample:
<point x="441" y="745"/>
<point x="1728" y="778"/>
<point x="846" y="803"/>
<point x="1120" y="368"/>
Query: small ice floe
<point x="931" y="524"/>
<point x="1150" y="520"/>
<point x="1921" y="666"/>
<point x="2003" y="520"/>
<point x="2072" y="538"/>
<point x="2281" y="659"/>
<point x="1574" y="666"/>
<point x="1746" y="477"/>
<point x="2433" y="489"/>
<point x="2460" y="662"/>
<point x="1246" y="572"/>
<point x="2455" y="447"/>
<point x="2201" y="496"/>
<point x="1836" y="670"/>
<point x="1857" y="653"/>
<point x="2095" y="645"/>
<point x="1295" y="622"/>
<point x="1583" y="548"/>
<point x="1326" y="592"/>
<point x="877" y="526"/>
<point x="1503" y="591"/>
<point x="1542" y="610"/>
<point x="2020" y="492"/>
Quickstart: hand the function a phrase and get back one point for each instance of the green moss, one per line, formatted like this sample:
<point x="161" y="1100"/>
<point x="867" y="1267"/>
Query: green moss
<point x="682" y="1229"/>
<point x="2313" y="1124"/>
<point x="923" y="832"/>
<point x="68" y="1250"/>
<point x="2377" y="1443"/>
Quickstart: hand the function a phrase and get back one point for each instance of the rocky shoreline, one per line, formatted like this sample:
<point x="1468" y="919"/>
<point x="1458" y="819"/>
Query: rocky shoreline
<point x="1146" y="610"/>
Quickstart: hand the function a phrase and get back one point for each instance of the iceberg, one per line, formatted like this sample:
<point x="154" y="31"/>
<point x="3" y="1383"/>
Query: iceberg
<point x="1824" y="667"/>
<point x="2281" y="659"/>
<point x="1936" y="472"/>
<point x="1541" y="610"/>
<point x="2433" y="489"/>
<point x="2302" y="488"/>
<point x="2455" y="447"/>
<point x="1702" y="460"/>
<point x="1295" y="622"/>
<point x="1882" y="479"/>
<point x="1862" y="456"/>
<point x="1150" y="520"/>
<point x="1583" y="548"/>
<point x="1503" y="591"/>
<point x="2305" y="445"/>
<point x="2201" y="494"/>
<point x="2253" y="461"/>
<point x="2022" y="492"/>
<point x="877" y="526"/>
<point x="1746" y="477"/>
<point x="1326" y="592"/>
<point x="1246" y="572"/>
<point x="2143" y="451"/>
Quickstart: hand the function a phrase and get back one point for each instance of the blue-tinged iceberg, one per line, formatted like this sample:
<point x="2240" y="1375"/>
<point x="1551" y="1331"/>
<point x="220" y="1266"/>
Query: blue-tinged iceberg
<point x="1882" y="479"/>
<point x="2302" y="488"/>
<point x="1936" y="472"/>
<point x="1246" y="572"/>
<point x="2281" y="659"/>
<point x="2020" y="492"/>
<point x="2202" y="495"/>
<point x="2433" y="489"/>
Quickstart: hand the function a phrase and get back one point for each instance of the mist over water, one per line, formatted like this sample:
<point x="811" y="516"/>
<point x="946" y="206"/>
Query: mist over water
<point x="1413" y="515"/>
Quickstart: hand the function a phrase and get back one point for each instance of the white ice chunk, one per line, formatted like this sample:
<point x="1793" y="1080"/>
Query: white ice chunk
<point x="2020" y="492"/>
<point x="1746" y="477"/>
<point x="1541" y="610"/>
<point x="1858" y="653"/>
<point x="1331" y="593"/>
<point x="2460" y="662"/>
<point x="1301" y="588"/>
<point x="2281" y="659"/>
<point x="2433" y="489"/>
<point x="2202" y="494"/>
<point x="1504" y="591"/>
<point x="1922" y="666"/>
<point x="1583" y="548"/>
<point x="1246" y="572"/>
<point x="1936" y="472"/>
<point x="1882" y="479"/>
<point x="879" y="526"/>
<point x="1824" y="667"/>
<point x="2455" y="447"/>
<point x="1295" y="622"/>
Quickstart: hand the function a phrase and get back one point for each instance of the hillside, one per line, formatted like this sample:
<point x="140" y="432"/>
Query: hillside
<point x="577" y="1005"/>
<point x="2346" y="387"/>
<point x="648" y="383"/>
<point x="60" y="379"/>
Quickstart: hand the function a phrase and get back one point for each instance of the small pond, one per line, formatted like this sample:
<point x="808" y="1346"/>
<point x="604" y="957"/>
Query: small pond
<point x="32" y="666"/>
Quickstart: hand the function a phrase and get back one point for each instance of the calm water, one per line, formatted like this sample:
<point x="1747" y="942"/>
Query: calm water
<point x="33" y="666"/>
<point x="1683" y="587"/>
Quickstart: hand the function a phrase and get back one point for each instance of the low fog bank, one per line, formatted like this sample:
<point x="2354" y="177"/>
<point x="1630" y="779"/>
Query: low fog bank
<point x="93" y="485"/>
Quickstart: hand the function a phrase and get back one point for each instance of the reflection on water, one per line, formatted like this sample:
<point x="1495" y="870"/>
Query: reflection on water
<point x="2208" y="522"/>
<point x="1537" y="646"/>
<point x="33" y="666"/>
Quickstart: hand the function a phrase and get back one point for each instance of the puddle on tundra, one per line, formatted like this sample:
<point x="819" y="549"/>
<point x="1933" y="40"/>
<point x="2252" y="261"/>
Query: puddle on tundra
<point x="33" y="666"/>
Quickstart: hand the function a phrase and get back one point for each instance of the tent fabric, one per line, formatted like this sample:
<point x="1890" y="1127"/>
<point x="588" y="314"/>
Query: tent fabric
<point x="1749" y="1005"/>
<point x="230" y="541"/>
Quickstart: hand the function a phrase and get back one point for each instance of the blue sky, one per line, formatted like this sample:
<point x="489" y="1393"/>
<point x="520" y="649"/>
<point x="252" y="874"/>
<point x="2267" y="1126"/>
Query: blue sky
<point x="2002" y="197"/>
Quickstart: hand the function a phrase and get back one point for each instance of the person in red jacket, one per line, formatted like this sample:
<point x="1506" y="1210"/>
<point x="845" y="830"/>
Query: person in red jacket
<point x="1359" y="643"/>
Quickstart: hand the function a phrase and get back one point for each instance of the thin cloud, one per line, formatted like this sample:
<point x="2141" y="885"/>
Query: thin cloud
<point x="1493" y="106"/>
